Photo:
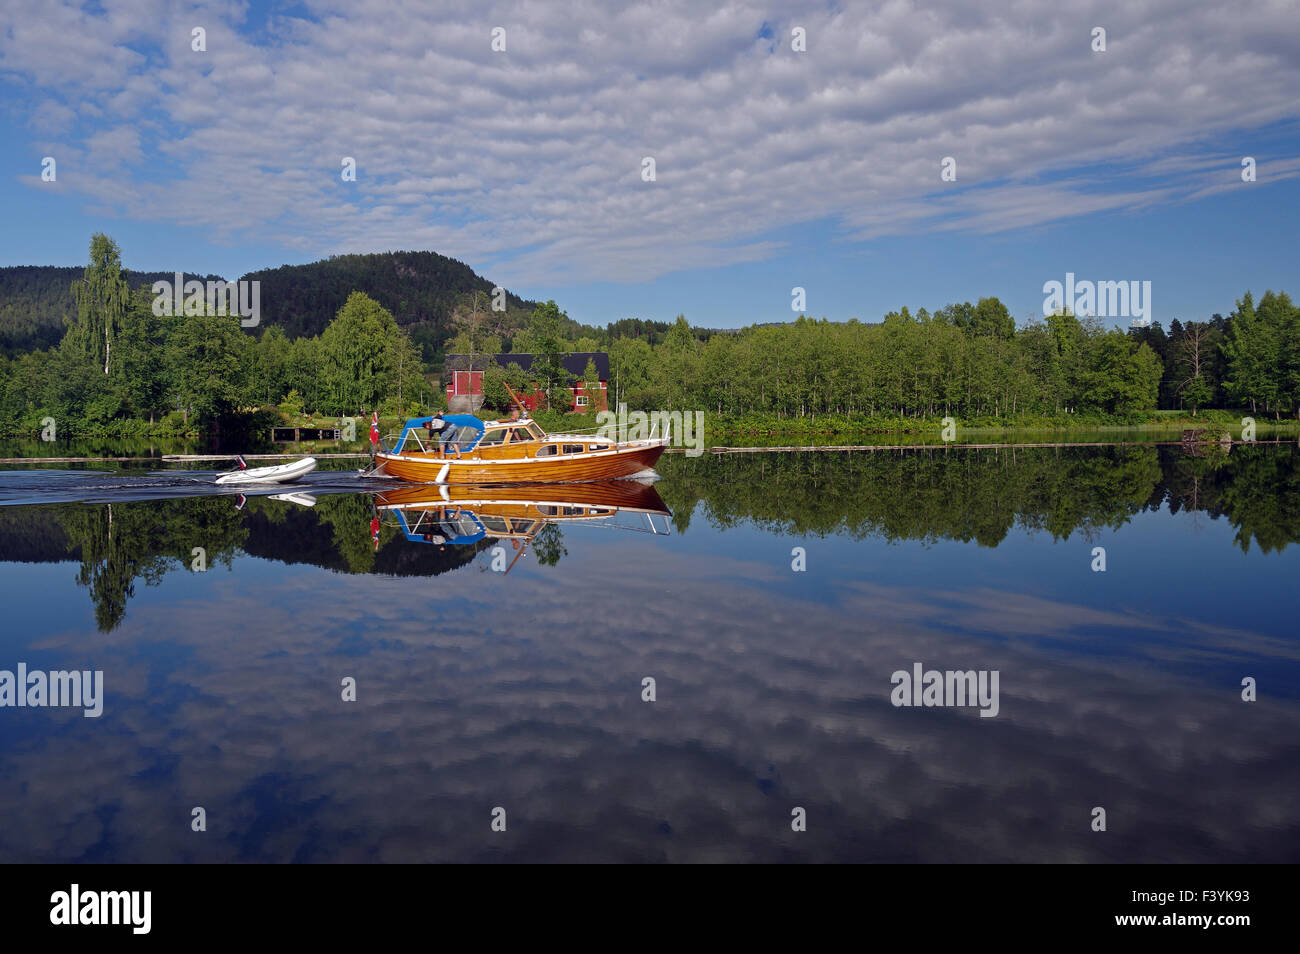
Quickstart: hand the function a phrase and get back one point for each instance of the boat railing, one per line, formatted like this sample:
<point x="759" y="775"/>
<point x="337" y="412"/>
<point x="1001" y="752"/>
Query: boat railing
<point x="398" y="442"/>
<point x="565" y="437"/>
<point x="609" y="522"/>
<point x="436" y="444"/>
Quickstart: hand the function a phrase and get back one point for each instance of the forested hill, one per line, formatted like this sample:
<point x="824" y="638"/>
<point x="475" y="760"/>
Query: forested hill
<point x="421" y="289"/>
<point x="35" y="300"/>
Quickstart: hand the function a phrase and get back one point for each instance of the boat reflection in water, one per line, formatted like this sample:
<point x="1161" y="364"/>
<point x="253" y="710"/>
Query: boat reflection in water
<point x="465" y="514"/>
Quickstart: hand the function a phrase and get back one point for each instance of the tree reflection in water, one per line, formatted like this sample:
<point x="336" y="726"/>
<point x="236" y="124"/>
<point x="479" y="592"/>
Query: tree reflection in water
<point x="929" y="495"/>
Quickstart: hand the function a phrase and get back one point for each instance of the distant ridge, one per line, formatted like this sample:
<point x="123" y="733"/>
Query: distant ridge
<point x="36" y="302"/>
<point x="421" y="289"/>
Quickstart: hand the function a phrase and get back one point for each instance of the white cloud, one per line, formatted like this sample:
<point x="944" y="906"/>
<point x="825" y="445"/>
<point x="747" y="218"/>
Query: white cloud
<point x="532" y="157"/>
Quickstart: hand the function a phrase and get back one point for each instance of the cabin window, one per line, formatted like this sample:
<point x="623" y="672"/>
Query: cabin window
<point x="536" y="432"/>
<point x="497" y="436"/>
<point x="518" y="434"/>
<point x="572" y="449"/>
<point x="546" y="450"/>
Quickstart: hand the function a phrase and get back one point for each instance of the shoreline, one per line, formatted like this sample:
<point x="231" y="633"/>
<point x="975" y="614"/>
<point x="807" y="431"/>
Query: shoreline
<point x="715" y="449"/>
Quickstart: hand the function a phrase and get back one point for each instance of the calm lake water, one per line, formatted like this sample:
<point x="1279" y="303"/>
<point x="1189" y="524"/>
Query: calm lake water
<point x="478" y="689"/>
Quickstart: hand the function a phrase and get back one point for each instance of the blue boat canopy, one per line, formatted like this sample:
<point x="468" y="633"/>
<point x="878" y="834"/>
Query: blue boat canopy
<point x="463" y="430"/>
<point x="451" y="528"/>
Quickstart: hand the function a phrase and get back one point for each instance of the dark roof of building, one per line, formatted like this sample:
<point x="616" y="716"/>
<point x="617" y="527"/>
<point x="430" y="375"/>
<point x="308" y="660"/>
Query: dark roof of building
<point x="575" y="362"/>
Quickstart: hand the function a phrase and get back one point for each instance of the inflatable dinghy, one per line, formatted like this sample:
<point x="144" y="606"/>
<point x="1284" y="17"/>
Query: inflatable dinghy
<point x="301" y="499"/>
<point x="278" y="474"/>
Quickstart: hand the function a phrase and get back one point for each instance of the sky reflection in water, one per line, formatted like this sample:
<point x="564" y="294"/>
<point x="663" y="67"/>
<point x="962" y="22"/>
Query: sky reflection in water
<point x="1118" y="689"/>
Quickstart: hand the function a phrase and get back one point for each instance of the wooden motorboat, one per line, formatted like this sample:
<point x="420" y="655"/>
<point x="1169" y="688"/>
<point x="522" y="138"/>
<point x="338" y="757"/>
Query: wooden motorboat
<point x="277" y="474"/>
<point x="471" y="451"/>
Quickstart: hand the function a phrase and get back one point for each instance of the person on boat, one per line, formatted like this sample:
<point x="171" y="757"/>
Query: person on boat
<point x="436" y="426"/>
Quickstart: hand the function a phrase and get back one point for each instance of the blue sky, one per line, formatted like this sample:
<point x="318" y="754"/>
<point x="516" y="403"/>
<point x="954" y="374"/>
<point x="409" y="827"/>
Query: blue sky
<point x="775" y="168"/>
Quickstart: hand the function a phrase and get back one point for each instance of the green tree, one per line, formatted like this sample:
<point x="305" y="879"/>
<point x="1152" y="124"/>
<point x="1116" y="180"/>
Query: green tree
<point x="274" y="362"/>
<point x="591" y="387"/>
<point x="1121" y="377"/>
<point x="306" y="361"/>
<point x="679" y="363"/>
<point x="1280" y="318"/>
<point x="359" y="356"/>
<point x="545" y="339"/>
<point x="102" y="298"/>
<point x="407" y="386"/>
<point x="1251" y="350"/>
<point x="495" y="395"/>
<point x="992" y="319"/>
<point x="630" y="362"/>
<point x="138" y="376"/>
<point x="1069" y="338"/>
<point x="208" y="364"/>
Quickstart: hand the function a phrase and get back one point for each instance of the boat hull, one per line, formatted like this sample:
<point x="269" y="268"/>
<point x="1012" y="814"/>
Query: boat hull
<point x="625" y="461"/>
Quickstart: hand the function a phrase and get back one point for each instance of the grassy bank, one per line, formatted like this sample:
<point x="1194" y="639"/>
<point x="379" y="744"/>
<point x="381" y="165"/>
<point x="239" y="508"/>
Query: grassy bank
<point x="833" y="425"/>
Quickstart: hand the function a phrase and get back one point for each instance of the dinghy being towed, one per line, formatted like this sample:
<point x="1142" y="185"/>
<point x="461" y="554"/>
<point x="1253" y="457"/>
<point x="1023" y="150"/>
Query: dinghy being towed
<point x="277" y="474"/>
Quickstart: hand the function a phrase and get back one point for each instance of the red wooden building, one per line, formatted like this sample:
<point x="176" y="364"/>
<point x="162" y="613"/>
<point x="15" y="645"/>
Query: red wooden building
<point x="463" y="380"/>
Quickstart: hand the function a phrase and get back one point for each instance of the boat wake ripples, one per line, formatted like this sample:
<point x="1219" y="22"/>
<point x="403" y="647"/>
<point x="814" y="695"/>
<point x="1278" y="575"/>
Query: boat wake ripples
<point x="25" y="487"/>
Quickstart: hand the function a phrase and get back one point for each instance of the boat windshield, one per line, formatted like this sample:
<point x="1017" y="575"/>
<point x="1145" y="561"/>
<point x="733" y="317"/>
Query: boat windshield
<point x="463" y="436"/>
<point x="460" y="433"/>
<point x="459" y="524"/>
